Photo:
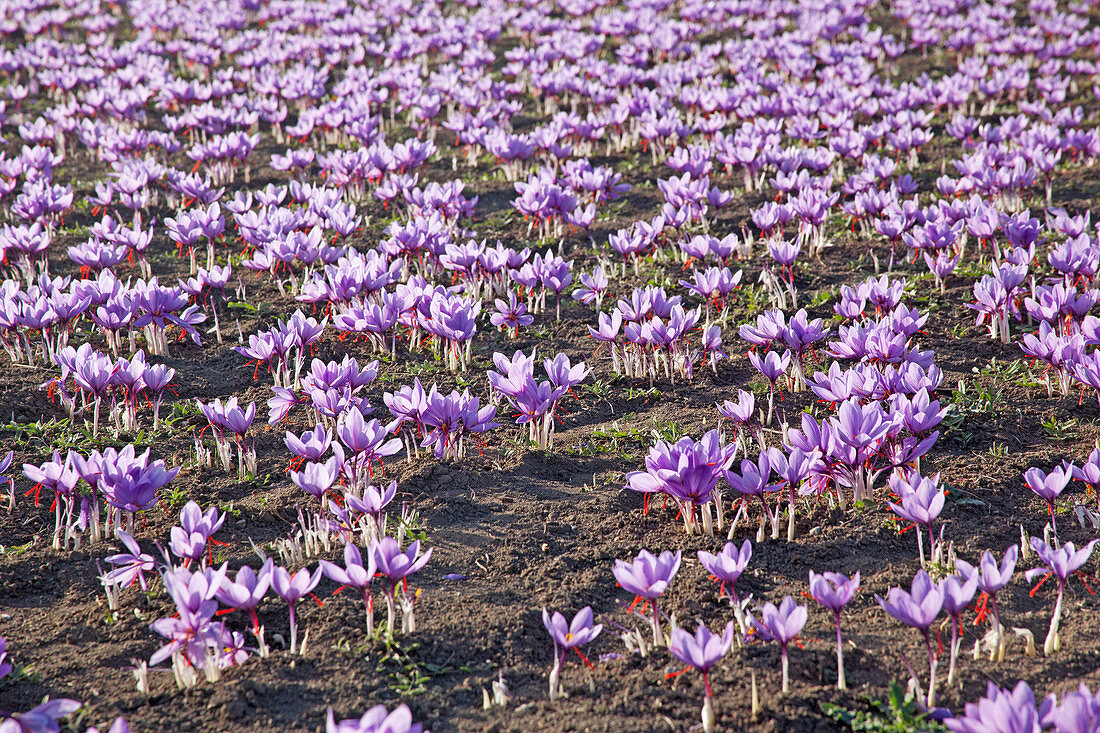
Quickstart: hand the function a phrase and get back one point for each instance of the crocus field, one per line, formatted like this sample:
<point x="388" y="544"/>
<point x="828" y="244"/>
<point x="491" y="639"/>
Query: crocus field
<point x="549" y="365"/>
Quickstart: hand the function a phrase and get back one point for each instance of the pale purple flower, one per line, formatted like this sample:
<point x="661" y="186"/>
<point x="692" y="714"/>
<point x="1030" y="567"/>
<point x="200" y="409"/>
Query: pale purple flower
<point x="566" y="636"/>
<point x="702" y="651"/>
<point x="292" y="588"/>
<point x="781" y="624"/>
<point x="130" y="566"/>
<point x="918" y="608"/>
<point x="376" y="720"/>
<point x="648" y="576"/>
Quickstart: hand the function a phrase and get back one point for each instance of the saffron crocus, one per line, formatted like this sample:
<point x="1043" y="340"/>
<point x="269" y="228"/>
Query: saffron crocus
<point x="1078" y="713"/>
<point x="130" y="482"/>
<point x="245" y="592"/>
<point x="781" y="624"/>
<point x="592" y="288"/>
<point x="648" y="576"/>
<point x="687" y="472"/>
<point x="991" y="577"/>
<point x="5" y="464"/>
<point x="366" y="440"/>
<point x="566" y="636"/>
<point x="794" y="468"/>
<point x="956" y="594"/>
<point x="511" y="315"/>
<point x="833" y="591"/>
<point x="742" y="412"/>
<point x="131" y="565"/>
<point x="373" y="502"/>
<point x="918" y="608"/>
<point x="1048" y="486"/>
<point x="1061" y="563"/>
<point x="194" y="638"/>
<point x="5" y="667"/>
<point x="188" y="540"/>
<point x="230" y="419"/>
<point x="772" y="366"/>
<point x="311" y="445"/>
<point x="922" y="500"/>
<point x="119" y="726"/>
<point x="41" y="719"/>
<point x="702" y="651"/>
<point x="292" y="588"/>
<point x="355" y="574"/>
<point x="157" y="378"/>
<point x="316" y="478"/>
<point x="60" y="476"/>
<point x="999" y="710"/>
<point x="1089" y="474"/>
<point x="753" y="481"/>
<point x="397" y="565"/>
<point x="376" y="720"/>
<point x="726" y="567"/>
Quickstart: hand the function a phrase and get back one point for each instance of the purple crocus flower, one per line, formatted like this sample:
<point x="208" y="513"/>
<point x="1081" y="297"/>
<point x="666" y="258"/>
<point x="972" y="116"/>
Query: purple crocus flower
<point x="686" y="471"/>
<point x="246" y="590"/>
<point x="592" y="288"/>
<point x="397" y="565"/>
<point x="772" y="366"/>
<point x="376" y="720"/>
<point x="316" y="478"/>
<point x="130" y="566"/>
<point x="702" y="651"/>
<point x="407" y="405"/>
<point x="1078" y="713"/>
<point x="188" y="540"/>
<point x="60" y="476"/>
<point x="511" y="315"/>
<point x="922" y="500"/>
<point x="957" y="593"/>
<point x="566" y="636"/>
<point x="192" y="631"/>
<point x="726" y="567"/>
<point x="5" y="667"/>
<point x="119" y="726"/>
<point x="42" y="719"/>
<point x="57" y="475"/>
<point x="608" y="333"/>
<point x="1089" y="474"/>
<point x="752" y="480"/>
<point x="5" y="464"/>
<point x="311" y="445"/>
<point x="1000" y="710"/>
<point x="1061" y="563"/>
<point x="229" y="416"/>
<point x="918" y="608"/>
<point x="834" y="591"/>
<point x="563" y="374"/>
<point x="781" y="624"/>
<point x="292" y="588"/>
<point x="1048" y="486"/>
<point x="130" y="482"/>
<point x="355" y="575"/>
<point x="373" y="502"/>
<point x="742" y="413"/>
<point x="647" y="577"/>
<point x="794" y="468"/>
<point x="991" y="577"/>
<point x="366" y="440"/>
<point x="157" y="378"/>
